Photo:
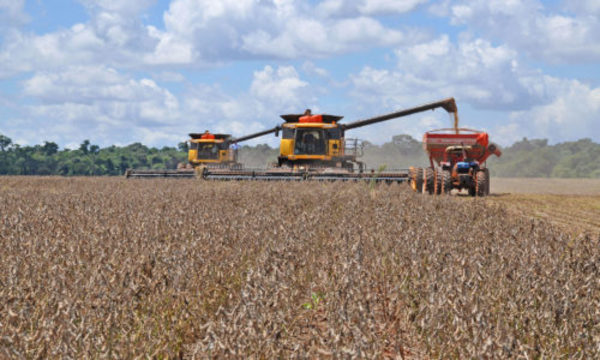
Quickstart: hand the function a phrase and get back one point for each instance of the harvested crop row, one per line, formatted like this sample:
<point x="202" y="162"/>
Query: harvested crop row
<point x="114" y="268"/>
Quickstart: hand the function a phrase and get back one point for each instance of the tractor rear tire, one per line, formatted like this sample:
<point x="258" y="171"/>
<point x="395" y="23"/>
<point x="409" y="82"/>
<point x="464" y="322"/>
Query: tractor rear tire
<point x="447" y="182"/>
<point x="428" y="181"/>
<point x="487" y="174"/>
<point x="481" y="183"/>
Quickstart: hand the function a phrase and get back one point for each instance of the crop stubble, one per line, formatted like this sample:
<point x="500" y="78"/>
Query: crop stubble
<point x="115" y="268"/>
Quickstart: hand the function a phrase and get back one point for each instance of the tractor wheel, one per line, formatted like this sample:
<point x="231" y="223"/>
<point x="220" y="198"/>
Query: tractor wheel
<point x="472" y="191"/>
<point x="428" y="180"/>
<point x="447" y="182"/>
<point x="481" y="183"/>
<point x="487" y="174"/>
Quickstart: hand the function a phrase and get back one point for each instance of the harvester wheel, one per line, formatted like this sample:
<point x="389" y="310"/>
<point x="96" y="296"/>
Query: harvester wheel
<point x="428" y="180"/>
<point x="447" y="182"/>
<point x="482" y="183"/>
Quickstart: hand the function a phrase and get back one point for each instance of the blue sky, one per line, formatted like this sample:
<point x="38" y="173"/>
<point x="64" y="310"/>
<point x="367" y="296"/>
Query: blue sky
<point x="117" y="72"/>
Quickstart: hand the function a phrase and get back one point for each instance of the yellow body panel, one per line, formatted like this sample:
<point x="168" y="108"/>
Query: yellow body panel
<point x="192" y="155"/>
<point x="310" y="125"/>
<point x="215" y="141"/>
<point x="205" y="161"/>
<point x="309" y="157"/>
<point x="335" y="148"/>
<point x="286" y="147"/>
<point x="224" y="155"/>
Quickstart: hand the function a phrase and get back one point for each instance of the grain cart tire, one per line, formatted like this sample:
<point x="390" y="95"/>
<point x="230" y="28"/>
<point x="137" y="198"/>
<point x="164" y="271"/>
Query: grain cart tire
<point x="481" y="183"/>
<point x="428" y="180"/>
<point x="447" y="182"/>
<point x="415" y="180"/>
<point x="437" y="188"/>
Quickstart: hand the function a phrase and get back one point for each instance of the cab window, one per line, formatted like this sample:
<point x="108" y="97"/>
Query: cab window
<point x="310" y="142"/>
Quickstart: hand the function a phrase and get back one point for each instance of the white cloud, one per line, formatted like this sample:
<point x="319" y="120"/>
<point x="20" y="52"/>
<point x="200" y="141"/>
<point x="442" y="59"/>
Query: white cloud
<point x="474" y="70"/>
<point x="311" y="69"/>
<point x="110" y="107"/>
<point x="572" y="114"/>
<point x="169" y="76"/>
<point x="489" y="78"/>
<point x="528" y="26"/>
<point x="101" y="103"/>
<point x="198" y="33"/>
<point x="345" y="8"/>
<point x="12" y="14"/>
<point x="309" y="38"/>
<point x="209" y="31"/>
<point x="583" y="7"/>
<point x="123" y="7"/>
<point x="282" y="89"/>
<point x="112" y="36"/>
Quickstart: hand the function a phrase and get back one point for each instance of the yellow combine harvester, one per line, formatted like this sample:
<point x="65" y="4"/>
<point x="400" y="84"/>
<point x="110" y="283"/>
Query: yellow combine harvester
<point x="314" y="147"/>
<point x="211" y="150"/>
<point x="206" y="150"/>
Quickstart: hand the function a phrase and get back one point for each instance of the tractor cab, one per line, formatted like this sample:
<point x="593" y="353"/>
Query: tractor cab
<point x="459" y="158"/>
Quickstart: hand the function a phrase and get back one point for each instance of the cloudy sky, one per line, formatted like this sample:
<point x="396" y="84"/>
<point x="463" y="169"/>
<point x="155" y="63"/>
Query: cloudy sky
<point x="121" y="71"/>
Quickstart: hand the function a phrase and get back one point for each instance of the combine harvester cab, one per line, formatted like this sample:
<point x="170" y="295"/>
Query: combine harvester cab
<point x="314" y="147"/>
<point x="458" y="161"/>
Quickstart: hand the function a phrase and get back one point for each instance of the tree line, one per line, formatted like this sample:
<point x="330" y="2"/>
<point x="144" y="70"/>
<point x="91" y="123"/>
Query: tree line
<point x="525" y="158"/>
<point x="87" y="160"/>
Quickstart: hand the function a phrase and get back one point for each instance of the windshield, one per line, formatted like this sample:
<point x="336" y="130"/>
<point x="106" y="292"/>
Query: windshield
<point x="207" y="151"/>
<point x="310" y="142"/>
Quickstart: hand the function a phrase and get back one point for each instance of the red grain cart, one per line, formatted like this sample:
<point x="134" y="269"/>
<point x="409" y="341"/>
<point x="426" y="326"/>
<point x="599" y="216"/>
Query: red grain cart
<point x="457" y="161"/>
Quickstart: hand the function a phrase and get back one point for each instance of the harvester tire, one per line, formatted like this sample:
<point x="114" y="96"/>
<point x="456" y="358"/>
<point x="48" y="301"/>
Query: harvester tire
<point x="481" y="183"/>
<point x="447" y="182"/>
<point x="428" y="180"/>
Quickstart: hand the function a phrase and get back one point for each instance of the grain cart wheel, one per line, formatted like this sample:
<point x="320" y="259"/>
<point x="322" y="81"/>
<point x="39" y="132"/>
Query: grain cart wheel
<point x="481" y="183"/>
<point x="428" y="180"/>
<point x="415" y="180"/>
<point x="437" y="188"/>
<point x="447" y="182"/>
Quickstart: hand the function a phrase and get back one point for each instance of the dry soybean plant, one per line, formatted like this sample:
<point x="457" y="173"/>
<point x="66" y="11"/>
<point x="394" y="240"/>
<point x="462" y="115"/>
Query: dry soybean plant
<point x="109" y="268"/>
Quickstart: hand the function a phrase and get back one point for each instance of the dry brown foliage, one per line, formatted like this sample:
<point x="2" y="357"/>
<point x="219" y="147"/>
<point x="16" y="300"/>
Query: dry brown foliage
<point x="106" y="268"/>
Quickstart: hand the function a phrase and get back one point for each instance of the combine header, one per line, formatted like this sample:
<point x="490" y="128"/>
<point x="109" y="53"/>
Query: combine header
<point x="457" y="158"/>
<point x="206" y="150"/>
<point x="314" y="147"/>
